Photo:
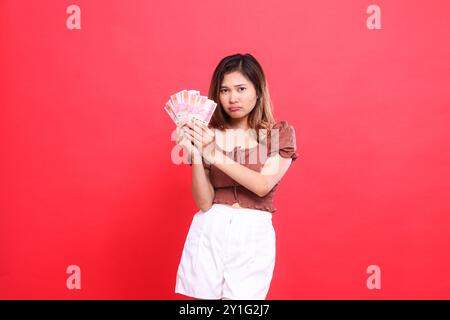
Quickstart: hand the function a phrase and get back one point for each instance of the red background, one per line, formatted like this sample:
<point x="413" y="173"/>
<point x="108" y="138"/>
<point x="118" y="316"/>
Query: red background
<point x="86" y="173"/>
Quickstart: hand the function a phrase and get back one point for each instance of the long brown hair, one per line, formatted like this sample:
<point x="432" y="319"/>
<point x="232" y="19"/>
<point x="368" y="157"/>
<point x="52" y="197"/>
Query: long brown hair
<point x="261" y="116"/>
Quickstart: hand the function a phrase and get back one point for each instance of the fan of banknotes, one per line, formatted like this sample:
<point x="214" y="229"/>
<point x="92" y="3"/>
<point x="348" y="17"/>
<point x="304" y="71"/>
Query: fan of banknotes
<point x="187" y="105"/>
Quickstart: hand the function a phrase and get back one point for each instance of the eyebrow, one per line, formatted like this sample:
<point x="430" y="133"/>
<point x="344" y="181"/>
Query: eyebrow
<point x="238" y="85"/>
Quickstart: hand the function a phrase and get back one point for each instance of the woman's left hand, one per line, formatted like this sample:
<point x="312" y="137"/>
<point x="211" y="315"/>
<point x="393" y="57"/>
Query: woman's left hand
<point x="202" y="137"/>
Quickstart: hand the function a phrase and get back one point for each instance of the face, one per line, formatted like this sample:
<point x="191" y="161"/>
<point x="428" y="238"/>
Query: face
<point x="237" y="95"/>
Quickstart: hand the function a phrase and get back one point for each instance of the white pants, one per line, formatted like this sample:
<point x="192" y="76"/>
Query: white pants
<point x="229" y="253"/>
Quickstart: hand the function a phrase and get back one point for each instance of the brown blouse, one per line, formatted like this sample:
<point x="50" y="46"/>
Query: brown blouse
<point x="228" y="191"/>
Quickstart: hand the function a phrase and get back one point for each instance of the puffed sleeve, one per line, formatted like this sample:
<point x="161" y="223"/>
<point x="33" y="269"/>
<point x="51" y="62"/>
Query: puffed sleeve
<point x="283" y="141"/>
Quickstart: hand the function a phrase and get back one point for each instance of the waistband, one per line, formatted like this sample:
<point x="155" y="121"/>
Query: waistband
<point x="243" y="211"/>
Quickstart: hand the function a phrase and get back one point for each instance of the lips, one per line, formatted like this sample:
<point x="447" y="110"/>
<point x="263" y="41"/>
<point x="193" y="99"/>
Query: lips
<point x="234" y="108"/>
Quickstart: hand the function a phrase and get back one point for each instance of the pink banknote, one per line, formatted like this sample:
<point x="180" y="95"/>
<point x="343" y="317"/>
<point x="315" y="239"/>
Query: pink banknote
<point x="189" y="104"/>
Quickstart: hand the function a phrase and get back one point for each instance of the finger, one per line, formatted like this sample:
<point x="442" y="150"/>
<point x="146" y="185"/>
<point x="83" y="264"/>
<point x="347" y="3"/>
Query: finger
<point x="206" y="133"/>
<point x="201" y="125"/>
<point x="205" y="128"/>
<point x="179" y="134"/>
<point x="199" y="130"/>
<point x="194" y="125"/>
<point x="182" y="139"/>
<point x="188" y="130"/>
<point x="191" y="135"/>
<point x="209" y="137"/>
<point x="189" y="144"/>
<point x="195" y="134"/>
<point x="194" y="143"/>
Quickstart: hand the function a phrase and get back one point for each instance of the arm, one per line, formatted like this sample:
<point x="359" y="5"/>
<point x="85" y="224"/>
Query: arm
<point x="259" y="183"/>
<point x="202" y="189"/>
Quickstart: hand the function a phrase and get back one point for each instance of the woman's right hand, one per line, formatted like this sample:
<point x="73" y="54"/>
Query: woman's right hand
<point x="185" y="143"/>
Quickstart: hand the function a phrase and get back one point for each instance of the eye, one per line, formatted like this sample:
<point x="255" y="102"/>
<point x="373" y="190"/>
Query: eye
<point x="223" y="90"/>
<point x="243" y="88"/>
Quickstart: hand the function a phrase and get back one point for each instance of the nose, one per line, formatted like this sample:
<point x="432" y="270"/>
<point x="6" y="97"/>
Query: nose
<point x="233" y="96"/>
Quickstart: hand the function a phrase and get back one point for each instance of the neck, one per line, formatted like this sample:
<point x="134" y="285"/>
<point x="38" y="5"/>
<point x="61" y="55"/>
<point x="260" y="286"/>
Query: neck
<point x="238" y="123"/>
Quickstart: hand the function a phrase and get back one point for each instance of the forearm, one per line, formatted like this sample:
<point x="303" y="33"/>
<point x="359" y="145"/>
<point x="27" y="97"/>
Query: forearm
<point x="250" y="179"/>
<point x="202" y="190"/>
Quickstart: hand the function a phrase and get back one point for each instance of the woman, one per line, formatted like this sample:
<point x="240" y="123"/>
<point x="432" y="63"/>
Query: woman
<point x="238" y="160"/>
